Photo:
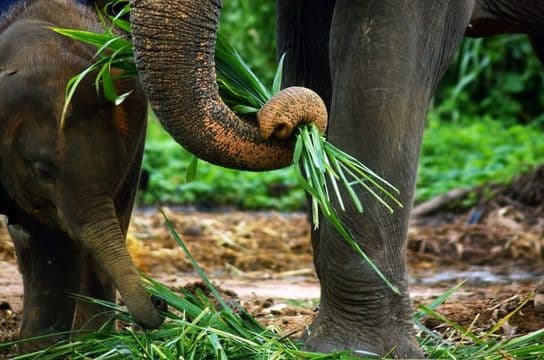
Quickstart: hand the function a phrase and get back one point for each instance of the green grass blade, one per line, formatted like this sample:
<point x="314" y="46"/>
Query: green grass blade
<point x="121" y="98"/>
<point x="368" y="188"/>
<point x="190" y="174"/>
<point x="276" y="85"/>
<point x="439" y="300"/>
<point x="351" y="192"/>
<point x="194" y="263"/>
<point x="71" y="87"/>
<point x="450" y="323"/>
<point x="356" y="163"/>
<point x="363" y="176"/>
<point x="347" y="236"/>
<point x="107" y="83"/>
<point x="501" y="322"/>
<point x="332" y="179"/>
<point x="95" y="39"/>
<point x="244" y="110"/>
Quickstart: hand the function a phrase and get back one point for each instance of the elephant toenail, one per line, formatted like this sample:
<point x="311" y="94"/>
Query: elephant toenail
<point x="365" y="353"/>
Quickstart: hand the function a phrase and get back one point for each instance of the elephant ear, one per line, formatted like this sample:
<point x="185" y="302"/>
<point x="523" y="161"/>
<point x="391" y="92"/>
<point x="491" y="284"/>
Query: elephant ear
<point x="11" y="97"/>
<point x="121" y="121"/>
<point x="130" y="115"/>
<point x="119" y="114"/>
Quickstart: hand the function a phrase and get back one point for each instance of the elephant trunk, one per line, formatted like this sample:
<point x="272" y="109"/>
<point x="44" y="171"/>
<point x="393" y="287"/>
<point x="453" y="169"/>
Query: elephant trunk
<point x="174" y="44"/>
<point x="102" y="238"/>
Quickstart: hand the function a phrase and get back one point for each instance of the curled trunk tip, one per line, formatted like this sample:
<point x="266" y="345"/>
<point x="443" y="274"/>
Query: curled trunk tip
<point x="291" y="107"/>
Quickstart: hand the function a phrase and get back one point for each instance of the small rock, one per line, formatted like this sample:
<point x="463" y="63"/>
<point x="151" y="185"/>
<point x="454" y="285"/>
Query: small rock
<point x="194" y="230"/>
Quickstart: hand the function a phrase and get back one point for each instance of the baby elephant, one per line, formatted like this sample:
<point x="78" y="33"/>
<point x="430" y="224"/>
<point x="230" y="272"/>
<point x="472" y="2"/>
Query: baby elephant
<point x="68" y="193"/>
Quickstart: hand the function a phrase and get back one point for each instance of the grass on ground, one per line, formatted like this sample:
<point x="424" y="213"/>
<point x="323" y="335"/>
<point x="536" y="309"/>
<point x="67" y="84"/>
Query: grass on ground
<point x="202" y="327"/>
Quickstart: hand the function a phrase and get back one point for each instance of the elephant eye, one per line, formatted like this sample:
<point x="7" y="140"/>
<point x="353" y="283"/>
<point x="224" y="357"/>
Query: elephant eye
<point x="45" y="171"/>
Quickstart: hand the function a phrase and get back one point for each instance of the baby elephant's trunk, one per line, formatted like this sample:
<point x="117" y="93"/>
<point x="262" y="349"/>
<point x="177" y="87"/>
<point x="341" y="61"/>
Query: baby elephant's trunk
<point x="101" y="236"/>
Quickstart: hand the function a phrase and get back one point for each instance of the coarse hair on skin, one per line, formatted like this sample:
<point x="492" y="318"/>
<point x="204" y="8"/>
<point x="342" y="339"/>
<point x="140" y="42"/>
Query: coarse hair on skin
<point x="31" y="53"/>
<point x="38" y="15"/>
<point x="72" y="14"/>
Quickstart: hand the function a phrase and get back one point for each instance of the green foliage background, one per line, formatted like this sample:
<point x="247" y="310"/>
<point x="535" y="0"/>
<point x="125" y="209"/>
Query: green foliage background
<point x="485" y="124"/>
<point x="498" y="77"/>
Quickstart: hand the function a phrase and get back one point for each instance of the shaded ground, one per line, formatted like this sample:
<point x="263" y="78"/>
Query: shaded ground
<point x="265" y="258"/>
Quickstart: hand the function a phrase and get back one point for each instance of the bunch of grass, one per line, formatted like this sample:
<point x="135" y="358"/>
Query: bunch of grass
<point x="324" y="171"/>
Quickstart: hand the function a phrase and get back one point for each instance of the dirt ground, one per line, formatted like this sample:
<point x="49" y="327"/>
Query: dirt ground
<point x="496" y="245"/>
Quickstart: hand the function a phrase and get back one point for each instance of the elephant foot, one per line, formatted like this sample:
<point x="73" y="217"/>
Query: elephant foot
<point x="365" y="343"/>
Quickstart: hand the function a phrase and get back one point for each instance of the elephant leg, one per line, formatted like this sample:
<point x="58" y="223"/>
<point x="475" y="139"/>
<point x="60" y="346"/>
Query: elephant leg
<point x="386" y="58"/>
<point x="50" y="264"/>
<point x="303" y="36"/>
<point x="94" y="282"/>
<point x="538" y="46"/>
<point x="493" y="17"/>
<point x="303" y="32"/>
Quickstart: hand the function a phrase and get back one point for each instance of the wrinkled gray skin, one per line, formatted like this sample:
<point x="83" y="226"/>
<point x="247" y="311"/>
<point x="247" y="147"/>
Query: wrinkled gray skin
<point x="68" y="195"/>
<point x="376" y="63"/>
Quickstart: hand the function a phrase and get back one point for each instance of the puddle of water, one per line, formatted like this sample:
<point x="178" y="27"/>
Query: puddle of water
<point x="474" y="276"/>
<point x="288" y="288"/>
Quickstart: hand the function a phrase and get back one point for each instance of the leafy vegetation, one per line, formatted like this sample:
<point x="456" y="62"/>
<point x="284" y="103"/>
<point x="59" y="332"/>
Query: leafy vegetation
<point x="196" y="327"/>
<point x="470" y="153"/>
<point x="484" y="125"/>
<point x="250" y="26"/>
<point x="213" y="186"/>
<point x="500" y="78"/>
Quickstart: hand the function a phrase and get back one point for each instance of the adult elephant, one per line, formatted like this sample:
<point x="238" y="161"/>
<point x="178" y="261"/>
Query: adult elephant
<point x="376" y="64"/>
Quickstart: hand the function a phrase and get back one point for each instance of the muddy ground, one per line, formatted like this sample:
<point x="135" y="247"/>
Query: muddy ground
<point x="496" y="245"/>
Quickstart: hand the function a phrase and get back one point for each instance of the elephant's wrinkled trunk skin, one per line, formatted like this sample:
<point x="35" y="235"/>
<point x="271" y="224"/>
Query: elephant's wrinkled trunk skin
<point x="102" y="238"/>
<point x="283" y="113"/>
<point x="174" y="44"/>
